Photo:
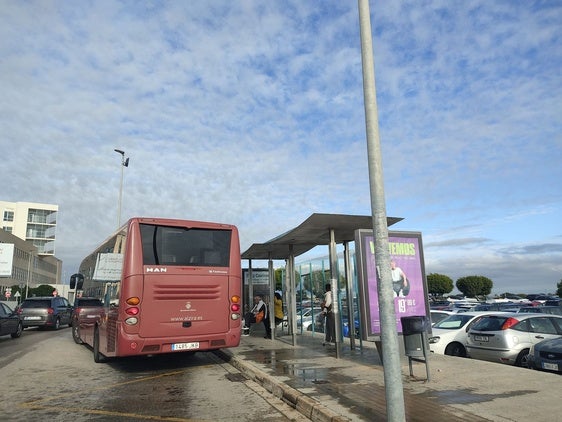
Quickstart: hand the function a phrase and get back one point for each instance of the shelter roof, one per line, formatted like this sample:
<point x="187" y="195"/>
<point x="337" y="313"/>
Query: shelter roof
<point x="314" y="231"/>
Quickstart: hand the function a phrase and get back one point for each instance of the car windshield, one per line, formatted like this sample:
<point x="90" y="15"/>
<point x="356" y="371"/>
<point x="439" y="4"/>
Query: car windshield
<point x="36" y="304"/>
<point x="309" y="311"/>
<point x="453" y="322"/>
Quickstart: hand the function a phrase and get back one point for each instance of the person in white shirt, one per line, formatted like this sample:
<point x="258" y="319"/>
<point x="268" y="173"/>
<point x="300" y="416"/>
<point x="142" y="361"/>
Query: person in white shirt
<point x="329" y="326"/>
<point x="399" y="280"/>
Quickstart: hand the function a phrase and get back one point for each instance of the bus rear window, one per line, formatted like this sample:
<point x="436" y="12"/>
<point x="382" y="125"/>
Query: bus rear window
<point x="182" y="246"/>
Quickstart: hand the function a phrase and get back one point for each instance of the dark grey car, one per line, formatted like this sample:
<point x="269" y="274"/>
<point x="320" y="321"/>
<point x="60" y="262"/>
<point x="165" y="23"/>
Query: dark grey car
<point x="48" y="312"/>
<point x="10" y="322"/>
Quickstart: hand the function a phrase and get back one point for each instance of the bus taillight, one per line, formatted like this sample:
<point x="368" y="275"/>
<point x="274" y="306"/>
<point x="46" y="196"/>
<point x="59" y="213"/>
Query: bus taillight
<point x="131" y="321"/>
<point x="133" y="301"/>
<point x="235" y="307"/>
<point x="132" y="311"/>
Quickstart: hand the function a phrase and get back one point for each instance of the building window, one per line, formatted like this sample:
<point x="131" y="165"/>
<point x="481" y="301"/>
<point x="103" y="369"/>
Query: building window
<point x="8" y="216"/>
<point x="8" y="229"/>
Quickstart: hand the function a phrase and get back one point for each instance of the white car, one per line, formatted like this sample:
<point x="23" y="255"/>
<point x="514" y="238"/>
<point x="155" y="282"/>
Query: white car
<point x="306" y="317"/>
<point x="449" y="335"/>
<point x="438" y="315"/>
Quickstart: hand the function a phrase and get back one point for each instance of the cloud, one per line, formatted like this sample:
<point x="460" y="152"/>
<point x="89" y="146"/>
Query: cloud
<point x="252" y="113"/>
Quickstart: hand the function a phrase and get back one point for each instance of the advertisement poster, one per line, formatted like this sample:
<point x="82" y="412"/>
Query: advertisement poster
<point x="259" y="276"/>
<point x="408" y="275"/>
<point x="6" y="259"/>
<point x="108" y="267"/>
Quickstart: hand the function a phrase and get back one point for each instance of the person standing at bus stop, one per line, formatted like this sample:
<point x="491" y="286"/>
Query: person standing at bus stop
<point x="278" y="307"/>
<point x="258" y="314"/>
<point x="327" y="307"/>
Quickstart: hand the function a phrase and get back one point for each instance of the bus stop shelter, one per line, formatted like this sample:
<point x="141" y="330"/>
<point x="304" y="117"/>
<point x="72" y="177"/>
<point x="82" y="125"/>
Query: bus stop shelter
<point x="316" y="230"/>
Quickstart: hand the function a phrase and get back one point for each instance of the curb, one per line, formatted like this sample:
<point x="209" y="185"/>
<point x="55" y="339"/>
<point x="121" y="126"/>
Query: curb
<point x="305" y="405"/>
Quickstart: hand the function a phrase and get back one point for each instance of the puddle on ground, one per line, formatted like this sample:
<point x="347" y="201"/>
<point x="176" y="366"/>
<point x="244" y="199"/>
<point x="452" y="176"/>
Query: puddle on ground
<point x="469" y="396"/>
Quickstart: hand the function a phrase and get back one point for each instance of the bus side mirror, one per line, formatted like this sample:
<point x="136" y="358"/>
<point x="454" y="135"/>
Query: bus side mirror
<point x="76" y="281"/>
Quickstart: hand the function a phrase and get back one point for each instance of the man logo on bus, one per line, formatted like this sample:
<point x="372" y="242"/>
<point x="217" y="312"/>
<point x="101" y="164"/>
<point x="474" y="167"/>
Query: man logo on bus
<point x="188" y="306"/>
<point x="156" y="270"/>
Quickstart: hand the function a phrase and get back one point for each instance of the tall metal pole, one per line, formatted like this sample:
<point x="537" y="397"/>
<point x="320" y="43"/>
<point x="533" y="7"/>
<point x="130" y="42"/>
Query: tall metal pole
<point x="389" y="338"/>
<point x="29" y="273"/>
<point x="335" y="288"/>
<point x="124" y="163"/>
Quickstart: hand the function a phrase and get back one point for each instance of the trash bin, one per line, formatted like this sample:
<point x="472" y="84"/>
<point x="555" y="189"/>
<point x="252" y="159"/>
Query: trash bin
<point x="414" y="331"/>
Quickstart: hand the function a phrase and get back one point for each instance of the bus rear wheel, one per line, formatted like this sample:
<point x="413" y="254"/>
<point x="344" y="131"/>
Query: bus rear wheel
<point x="98" y="357"/>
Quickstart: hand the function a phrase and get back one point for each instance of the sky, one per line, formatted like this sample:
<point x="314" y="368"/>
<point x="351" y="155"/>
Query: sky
<point x="251" y="113"/>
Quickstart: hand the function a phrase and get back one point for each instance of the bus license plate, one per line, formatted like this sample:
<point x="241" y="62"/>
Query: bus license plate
<point x="550" y="366"/>
<point x="185" y="346"/>
<point x="480" y="338"/>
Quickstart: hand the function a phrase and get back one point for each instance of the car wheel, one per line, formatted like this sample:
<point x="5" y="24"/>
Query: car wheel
<point x="455" y="349"/>
<point x="18" y="331"/>
<point x="57" y="324"/>
<point x="522" y="358"/>
<point x="98" y="357"/>
<point x="309" y="328"/>
<point x="76" y="333"/>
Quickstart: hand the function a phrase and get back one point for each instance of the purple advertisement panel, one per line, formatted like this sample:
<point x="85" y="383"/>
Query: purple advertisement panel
<point x="408" y="281"/>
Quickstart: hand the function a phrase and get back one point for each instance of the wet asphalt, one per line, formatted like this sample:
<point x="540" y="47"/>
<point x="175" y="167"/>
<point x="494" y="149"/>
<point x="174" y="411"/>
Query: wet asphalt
<point x="310" y="378"/>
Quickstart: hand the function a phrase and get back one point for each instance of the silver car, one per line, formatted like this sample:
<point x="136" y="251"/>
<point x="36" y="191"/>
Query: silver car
<point x="507" y="338"/>
<point x="449" y="335"/>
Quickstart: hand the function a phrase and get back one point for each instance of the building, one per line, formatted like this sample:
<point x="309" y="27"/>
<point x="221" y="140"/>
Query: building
<point x="28" y="267"/>
<point x="27" y="245"/>
<point x="33" y="222"/>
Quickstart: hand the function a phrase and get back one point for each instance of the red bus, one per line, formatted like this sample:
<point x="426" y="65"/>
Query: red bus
<point x="166" y="285"/>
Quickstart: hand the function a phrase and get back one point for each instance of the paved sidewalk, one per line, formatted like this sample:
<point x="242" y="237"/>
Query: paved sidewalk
<point x="310" y="378"/>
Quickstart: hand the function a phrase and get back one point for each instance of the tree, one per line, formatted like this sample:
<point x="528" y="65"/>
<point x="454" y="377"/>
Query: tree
<point x="42" y="290"/>
<point x="559" y="289"/>
<point x="475" y="285"/>
<point x="439" y="284"/>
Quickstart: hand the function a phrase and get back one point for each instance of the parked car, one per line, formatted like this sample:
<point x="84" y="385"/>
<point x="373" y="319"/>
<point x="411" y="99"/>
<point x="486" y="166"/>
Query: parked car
<point x="497" y="306"/>
<point x="10" y="322"/>
<point x="305" y="317"/>
<point x="86" y="311"/>
<point x="540" y="298"/>
<point x="507" y="338"/>
<point x="553" y="310"/>
<point x="45" y="312"/>
<point x="438" y="315"/>
<point x="320" y="319"/>
<point x="449" y="335"/>
<point x="514" y="298"/>
<point x="438" y="305"/>
<point x="546" y="355"/>
<point x="345" y="324"/>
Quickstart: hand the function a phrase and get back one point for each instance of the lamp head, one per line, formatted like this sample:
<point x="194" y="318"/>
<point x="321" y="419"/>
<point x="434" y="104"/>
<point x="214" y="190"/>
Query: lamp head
<point x="119" y="151"/>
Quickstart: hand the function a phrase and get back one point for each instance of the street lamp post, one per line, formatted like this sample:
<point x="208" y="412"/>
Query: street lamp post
<point x="124" y="163"/>
<point x="29" y="273"/>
